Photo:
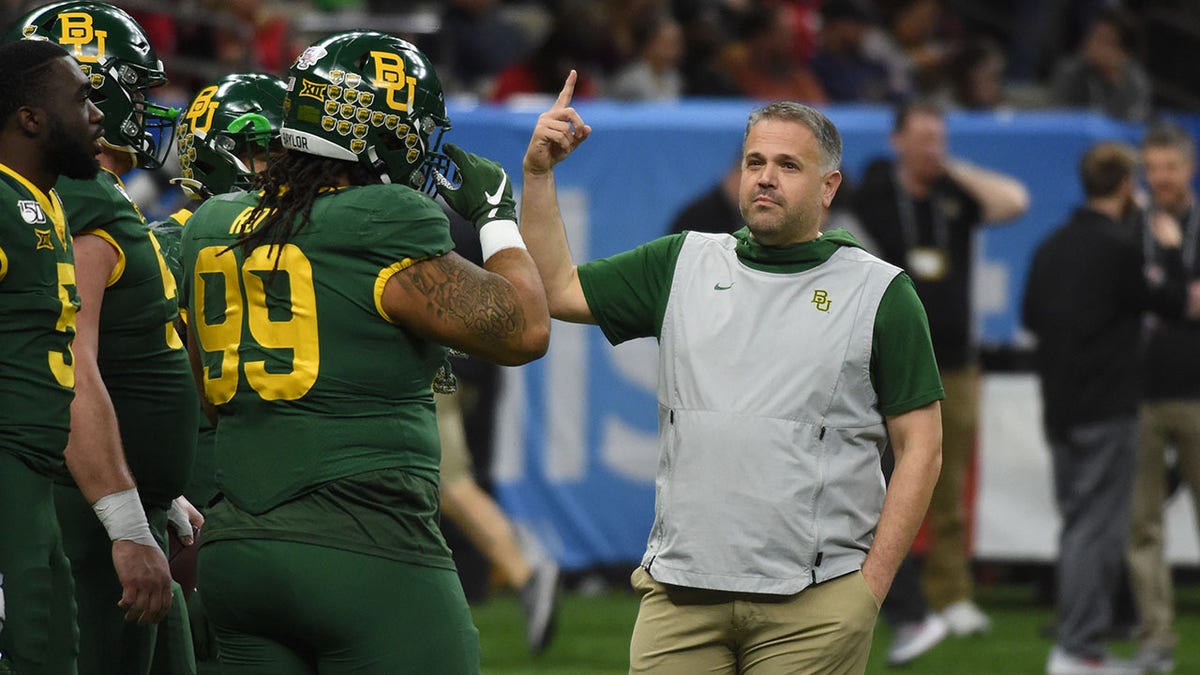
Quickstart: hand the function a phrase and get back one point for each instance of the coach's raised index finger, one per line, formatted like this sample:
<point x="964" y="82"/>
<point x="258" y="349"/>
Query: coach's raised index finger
<point x="568" y="90"/>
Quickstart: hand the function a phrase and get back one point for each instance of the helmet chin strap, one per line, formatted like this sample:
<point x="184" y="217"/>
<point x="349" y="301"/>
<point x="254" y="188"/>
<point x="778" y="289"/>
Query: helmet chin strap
<point x="192" y="187"/>
<point x="128" y="152"/>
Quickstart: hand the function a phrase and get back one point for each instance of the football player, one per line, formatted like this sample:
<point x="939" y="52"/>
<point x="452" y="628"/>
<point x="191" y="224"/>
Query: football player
<point x="225" y="137"/>
<point x="318" y="311"/>
<point x="48" y="128"/>
<point x="135" y="410"/>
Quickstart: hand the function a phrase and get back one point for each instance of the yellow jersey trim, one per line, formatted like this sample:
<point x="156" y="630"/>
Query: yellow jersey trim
<point x="385" y="275"/>
<point x="50" y="203"/>
<point x="119" y="268"/>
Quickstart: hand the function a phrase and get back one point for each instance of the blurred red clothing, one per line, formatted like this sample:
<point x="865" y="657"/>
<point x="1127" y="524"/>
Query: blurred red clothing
<point x="771" y="80"/>
<point x="520" y="78"/>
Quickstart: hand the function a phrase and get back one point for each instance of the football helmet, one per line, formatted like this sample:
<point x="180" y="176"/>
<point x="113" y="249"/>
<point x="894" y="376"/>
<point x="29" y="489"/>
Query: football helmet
<point x="116" y="55"/>
<point x="228" y="124"/>
<point x="371" y="98"/>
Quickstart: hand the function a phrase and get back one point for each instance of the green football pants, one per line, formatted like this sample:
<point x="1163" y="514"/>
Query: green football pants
<point x="286" y="608"/>
<point x="38" y="635"/>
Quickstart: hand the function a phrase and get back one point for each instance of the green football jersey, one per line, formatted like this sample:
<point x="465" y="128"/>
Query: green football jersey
<point x="169" y="233"/>
<point x="312" y="380"/>
<point x="37" y="324"/>
<point x="202" y="487"/>
<point x="141" y="355"/>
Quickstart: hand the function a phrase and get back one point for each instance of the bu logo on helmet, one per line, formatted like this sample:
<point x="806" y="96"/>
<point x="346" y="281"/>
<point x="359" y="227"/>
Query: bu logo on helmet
<point x="78" y="32"/>
<point x="389" y="76"/>
<point x="200" y="114"/>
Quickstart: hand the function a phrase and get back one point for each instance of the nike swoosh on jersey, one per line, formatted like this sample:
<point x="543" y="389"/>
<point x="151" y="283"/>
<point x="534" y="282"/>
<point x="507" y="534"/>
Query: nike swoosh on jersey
<point x="718" y="287"/>
<point x="494" y="199"/>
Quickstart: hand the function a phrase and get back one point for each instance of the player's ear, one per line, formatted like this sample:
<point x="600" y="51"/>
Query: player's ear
<point x="30" y="120"/>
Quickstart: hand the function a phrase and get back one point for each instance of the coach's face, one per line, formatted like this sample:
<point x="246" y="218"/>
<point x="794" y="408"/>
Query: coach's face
<point x="783" y="192"/>
<point x="73" y="129"/>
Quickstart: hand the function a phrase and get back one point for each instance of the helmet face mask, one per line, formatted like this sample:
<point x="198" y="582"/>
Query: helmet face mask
<point x="229" y="126"/>
<point x="115" y="54"/>
<point x="370" y="98"/>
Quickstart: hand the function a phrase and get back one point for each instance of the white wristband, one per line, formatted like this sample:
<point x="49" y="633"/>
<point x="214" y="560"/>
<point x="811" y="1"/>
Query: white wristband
<point x="123" y="517"/>
<point x="499" y="235"/>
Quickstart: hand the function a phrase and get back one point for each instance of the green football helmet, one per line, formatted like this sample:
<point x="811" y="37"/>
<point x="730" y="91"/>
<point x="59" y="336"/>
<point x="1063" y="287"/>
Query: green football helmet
<point x="229" y="124"/>
<point x="116" y="55"/>
<point x="370" y="98"/>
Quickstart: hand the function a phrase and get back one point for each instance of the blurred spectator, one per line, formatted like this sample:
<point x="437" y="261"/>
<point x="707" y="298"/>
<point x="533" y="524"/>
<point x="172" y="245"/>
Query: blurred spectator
<point x="654" y="73"/>
<point x="1105" y="73"/>
<point x="621" y="22"/>
<point x="975" y="76"/>
<point x="910" y="44"/>
<point x="704" y="38"/>
<point x="573" y="43"/>
<point x="804" y="18"/>
<point x="476" y="42"/>
<point x="923" y="208"/>
<point x="253" y="36"/>
<point x="1170" y="413"/>
<point x="761" y="62"/>
<point x="1042" y="31"/>
<point x="842" y="65"/>
<point x="1084" y="301"/>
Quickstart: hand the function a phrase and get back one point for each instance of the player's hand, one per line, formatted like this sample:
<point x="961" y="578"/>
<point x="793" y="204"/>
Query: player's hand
<point x="484" y="194"/>
<point x="145" y="579"/>
<point x="184" y="519"/>
<point x="558" y="132"/>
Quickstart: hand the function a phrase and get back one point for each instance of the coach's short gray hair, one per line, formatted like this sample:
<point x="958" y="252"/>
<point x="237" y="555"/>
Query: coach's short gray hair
<point x="824" y="130"/>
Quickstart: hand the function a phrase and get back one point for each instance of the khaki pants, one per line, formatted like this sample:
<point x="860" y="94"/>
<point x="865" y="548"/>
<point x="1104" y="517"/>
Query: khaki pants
<point x="826" y="628"/>
<point x="946" y="573"/>
<point x="1163" y="423"/>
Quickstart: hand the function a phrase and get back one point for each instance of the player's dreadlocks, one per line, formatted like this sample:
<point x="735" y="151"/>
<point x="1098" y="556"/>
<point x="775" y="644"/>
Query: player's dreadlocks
<point x="290" y="185"/>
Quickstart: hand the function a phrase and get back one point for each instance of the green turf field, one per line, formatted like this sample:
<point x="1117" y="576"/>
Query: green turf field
<point x="593" y="637"/>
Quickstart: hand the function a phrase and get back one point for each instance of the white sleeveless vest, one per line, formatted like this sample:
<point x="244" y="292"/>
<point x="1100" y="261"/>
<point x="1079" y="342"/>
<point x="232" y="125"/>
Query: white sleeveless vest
<point x="770" y="429"/>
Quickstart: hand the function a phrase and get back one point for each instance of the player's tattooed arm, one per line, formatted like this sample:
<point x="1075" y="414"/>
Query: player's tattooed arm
<point x="459" y="292"/>
<point x="498" y="313"/>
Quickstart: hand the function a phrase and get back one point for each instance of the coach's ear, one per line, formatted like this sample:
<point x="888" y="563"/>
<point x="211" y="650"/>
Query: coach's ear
<point x="829" y="187"/>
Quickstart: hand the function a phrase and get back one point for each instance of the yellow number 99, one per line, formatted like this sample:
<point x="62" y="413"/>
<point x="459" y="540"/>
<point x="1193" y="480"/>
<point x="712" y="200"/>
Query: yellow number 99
<point x="245" y="294"/>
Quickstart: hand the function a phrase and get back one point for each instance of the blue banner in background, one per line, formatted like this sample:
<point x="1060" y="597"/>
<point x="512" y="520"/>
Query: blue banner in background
<point x="577" y="442"/>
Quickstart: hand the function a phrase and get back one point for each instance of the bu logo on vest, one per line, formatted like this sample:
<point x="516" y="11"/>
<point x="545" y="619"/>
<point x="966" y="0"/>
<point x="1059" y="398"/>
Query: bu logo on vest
<point x="821" y="300"/>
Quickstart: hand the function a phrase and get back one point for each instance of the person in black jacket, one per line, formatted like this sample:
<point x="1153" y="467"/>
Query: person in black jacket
<point x="1084" y="300"/>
